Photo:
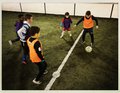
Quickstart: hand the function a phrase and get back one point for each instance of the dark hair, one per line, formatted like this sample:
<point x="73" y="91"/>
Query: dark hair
<point x="34" y="30"/>
<point x="88" y="13"/>
<point x="28" y="16"/>
<point x="20" y="15"/>
<point x="67" y="14"/>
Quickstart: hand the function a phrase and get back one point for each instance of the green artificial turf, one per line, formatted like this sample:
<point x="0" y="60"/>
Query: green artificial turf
<point x="83" y="71"/>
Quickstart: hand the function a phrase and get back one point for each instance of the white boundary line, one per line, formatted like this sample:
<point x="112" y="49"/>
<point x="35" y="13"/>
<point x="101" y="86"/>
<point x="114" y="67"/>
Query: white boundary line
<point x="56" y="74"/>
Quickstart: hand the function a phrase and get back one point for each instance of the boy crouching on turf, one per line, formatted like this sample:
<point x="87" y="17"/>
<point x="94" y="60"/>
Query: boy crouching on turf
<point x="35" y="53"/>
<point x="66" y="22"/>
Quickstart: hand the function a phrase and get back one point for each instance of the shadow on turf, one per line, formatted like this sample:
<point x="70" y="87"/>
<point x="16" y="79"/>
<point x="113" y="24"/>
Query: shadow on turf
<point x="69" y="42"/>
<point x="10" y="49"/>
<point x="10" y="69"/>
<point x="15" y="75"/>
<point x="88" y="57"/>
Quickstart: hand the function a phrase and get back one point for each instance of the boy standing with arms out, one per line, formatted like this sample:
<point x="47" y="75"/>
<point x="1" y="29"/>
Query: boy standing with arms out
<point x="66" y="22"/>
<point x="24" y="35"/>
<point x="35" y="53"/>
<point x="88" y="25"/>
<point x="18" y="25"/>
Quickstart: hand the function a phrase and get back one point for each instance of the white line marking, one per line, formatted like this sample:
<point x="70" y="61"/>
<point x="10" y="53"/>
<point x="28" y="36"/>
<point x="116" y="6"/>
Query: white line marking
<point x="56" y="74"/>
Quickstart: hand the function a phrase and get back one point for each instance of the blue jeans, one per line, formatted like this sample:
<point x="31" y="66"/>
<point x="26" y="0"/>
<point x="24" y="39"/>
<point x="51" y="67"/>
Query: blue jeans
<point x="25" y="51"/>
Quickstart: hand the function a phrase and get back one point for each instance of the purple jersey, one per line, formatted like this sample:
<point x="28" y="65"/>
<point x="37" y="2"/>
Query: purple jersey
<point x="66" y="22"/>
<point x="18" y="25"/>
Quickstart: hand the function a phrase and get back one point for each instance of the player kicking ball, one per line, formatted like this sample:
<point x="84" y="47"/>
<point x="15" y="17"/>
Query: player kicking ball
<point x="88" y="25"/>
<point x="66" y="23"/>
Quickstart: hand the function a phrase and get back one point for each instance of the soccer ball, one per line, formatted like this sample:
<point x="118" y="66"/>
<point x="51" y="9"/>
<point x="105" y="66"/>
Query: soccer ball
<point x="88" y="49"/>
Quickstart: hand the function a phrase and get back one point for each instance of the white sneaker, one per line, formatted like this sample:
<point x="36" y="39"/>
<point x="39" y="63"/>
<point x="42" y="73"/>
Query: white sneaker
<point x="45" y="72"/>
<point x="36" y="82"/>
<point x="10" y="42"/>
<point x="61" y="36"/>
<point x="70" y="35"/>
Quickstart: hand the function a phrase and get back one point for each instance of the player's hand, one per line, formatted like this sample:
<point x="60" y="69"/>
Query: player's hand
<point x="43" y="61"/>
<point x="74" y="25"/>
<point x="60" y="28"/>
<point x="97" y="27"/>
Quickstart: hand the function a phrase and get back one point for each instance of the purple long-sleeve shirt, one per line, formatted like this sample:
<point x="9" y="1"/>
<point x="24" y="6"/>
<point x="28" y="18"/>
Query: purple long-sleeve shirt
<point x="18" y="25"/>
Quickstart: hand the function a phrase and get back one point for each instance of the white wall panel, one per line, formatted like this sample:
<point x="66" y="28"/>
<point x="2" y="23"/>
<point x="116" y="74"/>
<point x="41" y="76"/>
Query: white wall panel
<point x="98" y="10"/>
<point x="11" y="6"/>
<point x="55" y="8"/>
<point x="115" y="11"/>
<point x="33" y="7"/>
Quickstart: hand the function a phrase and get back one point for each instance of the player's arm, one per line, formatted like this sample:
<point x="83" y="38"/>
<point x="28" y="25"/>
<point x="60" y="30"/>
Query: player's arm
<point x="62" y="23"/>
<point x="17" y="25"/>
<point x="38" y="50"/>
<point x="82" y="19"/>
<point x="95" y="21"/>
<point x="21" y="33"/>
<point x="70" y="20"/>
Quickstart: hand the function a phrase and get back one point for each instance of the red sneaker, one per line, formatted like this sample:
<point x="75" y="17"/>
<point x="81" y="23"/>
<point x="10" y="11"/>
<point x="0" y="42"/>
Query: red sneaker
<point x="24" y="62"/>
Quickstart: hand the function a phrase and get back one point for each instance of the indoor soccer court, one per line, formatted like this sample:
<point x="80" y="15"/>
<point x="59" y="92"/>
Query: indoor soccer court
<point x="97" y="70"/>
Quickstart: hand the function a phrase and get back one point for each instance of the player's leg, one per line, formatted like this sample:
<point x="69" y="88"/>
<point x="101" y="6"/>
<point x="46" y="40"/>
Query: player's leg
<point x="25" y="52"/>
<point x="83" y="36"/>
<point x="42" y="67"/>
<point x="36" y="80"/>
<point x="69" y="32"/>
<point x="14" y="40"/>
<point x="45" y="72"/>
<point x="63" y="32"/>
<point x="18" y="38"/>
<point x="92" y="36"/>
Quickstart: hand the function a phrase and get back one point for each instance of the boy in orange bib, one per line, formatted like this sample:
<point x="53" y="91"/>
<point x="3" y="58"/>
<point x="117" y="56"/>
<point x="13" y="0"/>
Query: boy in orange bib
<point x="35" y="53"/>
<point x="88" y="25"/>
